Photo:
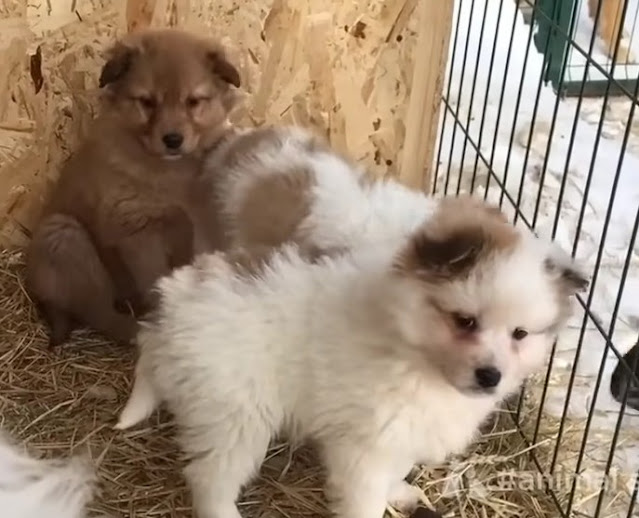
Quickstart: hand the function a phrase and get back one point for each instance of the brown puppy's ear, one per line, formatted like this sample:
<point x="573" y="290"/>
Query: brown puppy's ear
<point x="442" y="257"/>
<point x="223" y="68"/>
<point x="118" y="63"/>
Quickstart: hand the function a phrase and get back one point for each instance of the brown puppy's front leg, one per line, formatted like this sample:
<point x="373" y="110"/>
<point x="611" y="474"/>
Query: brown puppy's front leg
<point x="68" y="281"/>
<point x="179" y="238"/>
<point x="145" y="257"/>
<point x="154" y="251"/>
<point x="59" y="322"/>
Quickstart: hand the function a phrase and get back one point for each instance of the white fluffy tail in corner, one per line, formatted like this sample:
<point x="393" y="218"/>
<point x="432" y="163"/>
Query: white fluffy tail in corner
<point x="142" y="401"/>
<point x="34" y="488"/>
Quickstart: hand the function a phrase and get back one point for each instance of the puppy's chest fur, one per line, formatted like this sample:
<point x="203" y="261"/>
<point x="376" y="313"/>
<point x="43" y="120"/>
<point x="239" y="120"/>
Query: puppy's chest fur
<point x="420" y="420"/>
<point x="437" y="423"/>
<point x="115" y="193"/>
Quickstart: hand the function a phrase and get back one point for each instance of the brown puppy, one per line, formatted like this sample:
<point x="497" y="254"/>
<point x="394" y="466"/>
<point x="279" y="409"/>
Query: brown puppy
<point x="129" y="205"/>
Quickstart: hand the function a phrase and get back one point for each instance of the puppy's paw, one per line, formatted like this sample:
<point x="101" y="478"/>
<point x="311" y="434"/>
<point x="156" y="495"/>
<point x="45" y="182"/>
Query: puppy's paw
<point x="404" y="497"/>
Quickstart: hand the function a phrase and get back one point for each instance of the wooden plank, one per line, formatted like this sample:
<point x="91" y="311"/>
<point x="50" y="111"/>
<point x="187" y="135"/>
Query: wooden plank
<point x="139" y="14"/>
<point x="435" y="24"/>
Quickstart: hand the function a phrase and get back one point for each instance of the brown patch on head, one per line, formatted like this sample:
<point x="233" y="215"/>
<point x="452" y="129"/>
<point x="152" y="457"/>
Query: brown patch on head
<point x="273" y="208"/>
<point x="462" y="233"/>
<point x="171" y="89"/>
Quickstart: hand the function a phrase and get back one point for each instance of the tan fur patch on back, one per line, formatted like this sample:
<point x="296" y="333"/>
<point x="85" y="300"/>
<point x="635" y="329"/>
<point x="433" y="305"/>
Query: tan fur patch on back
<point x="462" y="233"/>
<point x="249" y="262"/>
<point x="273" y="207"/>
<point x="251" y="142"/>
<point x="252" y="261"/>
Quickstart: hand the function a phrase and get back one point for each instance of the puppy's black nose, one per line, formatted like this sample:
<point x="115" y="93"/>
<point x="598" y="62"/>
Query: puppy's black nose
<point x="487" y="377"/>
<point x="172" y="140"/>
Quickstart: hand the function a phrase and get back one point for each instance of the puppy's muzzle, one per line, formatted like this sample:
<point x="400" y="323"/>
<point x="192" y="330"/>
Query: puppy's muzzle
<point x="487" y="378"/>
<point x="173" y="142"/>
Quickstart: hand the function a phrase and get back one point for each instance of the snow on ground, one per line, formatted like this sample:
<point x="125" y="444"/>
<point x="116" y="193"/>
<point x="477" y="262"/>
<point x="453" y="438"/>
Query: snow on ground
<point x="507" y="120"/>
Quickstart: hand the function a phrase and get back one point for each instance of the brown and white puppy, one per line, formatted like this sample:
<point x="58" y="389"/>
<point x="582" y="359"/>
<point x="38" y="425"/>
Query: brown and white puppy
<point x="384" y="356"/>
<point x="130" y="205"/>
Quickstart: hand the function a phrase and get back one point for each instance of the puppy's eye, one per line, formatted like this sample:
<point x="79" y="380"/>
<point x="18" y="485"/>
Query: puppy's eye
<point x="519" y="334"/>
<point x="465" y="322"/>
<point x="146" y="102"/>
<point x="192" y="102"/>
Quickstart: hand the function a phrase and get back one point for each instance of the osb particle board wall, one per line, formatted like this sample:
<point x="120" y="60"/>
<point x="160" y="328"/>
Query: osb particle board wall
<point x="342" y="66"/>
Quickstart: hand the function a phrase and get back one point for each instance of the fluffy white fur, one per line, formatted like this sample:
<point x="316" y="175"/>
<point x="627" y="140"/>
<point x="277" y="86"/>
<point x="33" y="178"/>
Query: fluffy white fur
<point x="345" y="352"/>
<point x="36" y="488"/>
<point x="346" y="210"/>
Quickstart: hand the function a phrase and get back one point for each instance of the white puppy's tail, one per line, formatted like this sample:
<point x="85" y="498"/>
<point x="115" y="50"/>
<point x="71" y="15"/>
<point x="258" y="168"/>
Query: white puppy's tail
<point x="33" y="488"/>
<point x="143" y="400"/>
<point x="141" y="404"/>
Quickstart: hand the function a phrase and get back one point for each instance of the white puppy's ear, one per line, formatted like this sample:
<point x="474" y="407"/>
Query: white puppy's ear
<point x="563" y="268"/>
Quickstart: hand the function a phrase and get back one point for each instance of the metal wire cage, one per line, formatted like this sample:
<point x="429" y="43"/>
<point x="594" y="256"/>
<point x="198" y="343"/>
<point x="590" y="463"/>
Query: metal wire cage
<point x="567" y="167"/>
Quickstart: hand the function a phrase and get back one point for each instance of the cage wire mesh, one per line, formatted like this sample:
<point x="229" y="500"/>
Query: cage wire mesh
<point x="567" y="167"/>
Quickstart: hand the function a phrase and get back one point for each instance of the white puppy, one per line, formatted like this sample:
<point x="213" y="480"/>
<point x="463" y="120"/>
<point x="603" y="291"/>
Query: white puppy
<point x="283" y="184"/>
<point x="385" y="356"/>
<point x="36" y="488"/>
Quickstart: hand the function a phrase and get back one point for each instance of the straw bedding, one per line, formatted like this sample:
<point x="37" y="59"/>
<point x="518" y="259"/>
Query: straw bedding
<point x="66" y="401"/>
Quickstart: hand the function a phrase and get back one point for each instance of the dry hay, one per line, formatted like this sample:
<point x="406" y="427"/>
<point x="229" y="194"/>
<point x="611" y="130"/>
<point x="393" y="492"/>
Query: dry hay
<point x="66" y="401"/>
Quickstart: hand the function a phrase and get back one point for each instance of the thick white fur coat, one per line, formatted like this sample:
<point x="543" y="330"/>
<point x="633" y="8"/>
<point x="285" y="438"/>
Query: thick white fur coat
<point x="304" y="350"/>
